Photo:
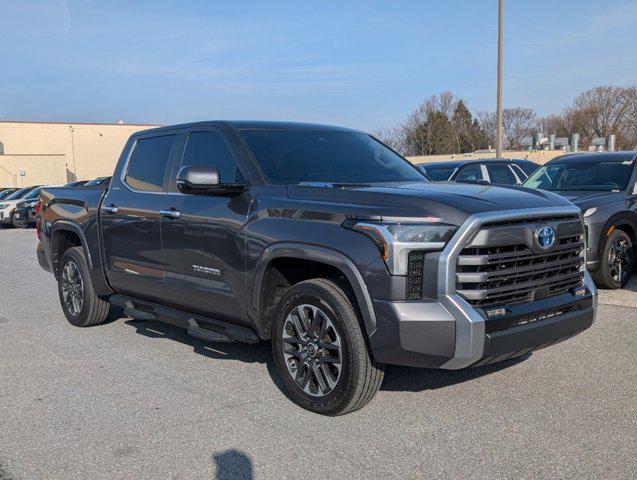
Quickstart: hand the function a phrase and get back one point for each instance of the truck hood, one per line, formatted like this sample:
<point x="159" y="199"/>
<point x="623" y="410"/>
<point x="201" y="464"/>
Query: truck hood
<point x="453" y="202"/>
<point x="588" y="199"/>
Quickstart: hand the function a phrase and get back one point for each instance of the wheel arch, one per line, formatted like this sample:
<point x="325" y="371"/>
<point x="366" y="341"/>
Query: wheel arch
<point x="64" y="235"/>
<point x="323" y="258"/>
<point x="624" y="221"/>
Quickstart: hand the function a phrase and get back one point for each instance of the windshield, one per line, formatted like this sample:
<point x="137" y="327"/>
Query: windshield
<point x="291" y="157"/>
<point x="6" y="193"/>
<point x="585" y="175"/>
<point x="18" y="194"/>
<point x="32" y="194"/>
<point x="439" y="174"/>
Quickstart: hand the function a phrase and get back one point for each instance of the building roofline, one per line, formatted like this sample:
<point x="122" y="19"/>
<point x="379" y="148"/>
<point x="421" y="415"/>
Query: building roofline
<point x="83" y="123"/>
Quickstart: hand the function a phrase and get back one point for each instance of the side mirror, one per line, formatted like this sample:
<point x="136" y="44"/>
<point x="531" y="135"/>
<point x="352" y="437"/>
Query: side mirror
<point x="197" y="178"/>
<point x="203" y="179"/>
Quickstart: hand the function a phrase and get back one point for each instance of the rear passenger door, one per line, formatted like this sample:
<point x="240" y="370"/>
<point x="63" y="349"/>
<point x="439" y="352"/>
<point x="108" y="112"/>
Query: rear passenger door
<point x="130" y="218"/>
<point x="203" y="239"/>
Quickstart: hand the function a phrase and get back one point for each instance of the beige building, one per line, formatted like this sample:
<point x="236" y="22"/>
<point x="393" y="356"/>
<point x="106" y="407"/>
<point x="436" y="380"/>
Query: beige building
<point x="50" y="153"/>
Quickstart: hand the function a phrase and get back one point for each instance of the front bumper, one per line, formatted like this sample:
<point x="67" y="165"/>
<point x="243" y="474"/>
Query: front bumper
<point x="447" y="332"/>
<point x="25" y="215"/>
<point x="451" y="334"/>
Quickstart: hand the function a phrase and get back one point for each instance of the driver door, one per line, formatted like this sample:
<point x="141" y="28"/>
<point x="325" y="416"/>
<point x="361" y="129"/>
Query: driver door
<point x="204" y="248"/>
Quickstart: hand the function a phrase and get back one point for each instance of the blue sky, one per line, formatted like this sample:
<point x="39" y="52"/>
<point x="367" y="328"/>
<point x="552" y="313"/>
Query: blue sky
<point x="363" y="64"/>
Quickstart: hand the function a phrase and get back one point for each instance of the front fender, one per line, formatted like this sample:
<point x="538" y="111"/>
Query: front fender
<point x="318" y="254"/>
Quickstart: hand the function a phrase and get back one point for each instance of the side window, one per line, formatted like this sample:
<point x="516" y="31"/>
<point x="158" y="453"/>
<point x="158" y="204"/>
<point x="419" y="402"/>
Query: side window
<point x="501" y="174"/>
<point x="147" y="163"/>
<point x="209" y="149"/>
<point x="471" y="173"/>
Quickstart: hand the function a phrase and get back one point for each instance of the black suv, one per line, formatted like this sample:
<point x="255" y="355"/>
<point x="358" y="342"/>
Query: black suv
<point x="323" y="241"/>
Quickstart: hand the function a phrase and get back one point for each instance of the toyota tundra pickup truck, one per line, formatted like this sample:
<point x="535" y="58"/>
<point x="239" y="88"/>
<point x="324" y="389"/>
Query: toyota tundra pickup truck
<point x="324" y="242"/>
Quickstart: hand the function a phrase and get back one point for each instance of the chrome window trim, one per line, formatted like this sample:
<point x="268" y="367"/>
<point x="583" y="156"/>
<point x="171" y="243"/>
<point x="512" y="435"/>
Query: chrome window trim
<point x="470" y="328"/>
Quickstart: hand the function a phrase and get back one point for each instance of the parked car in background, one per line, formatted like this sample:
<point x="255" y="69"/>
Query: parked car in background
<point x="24" y="213"/>
<point x="98" y="182"/>
<point x="8" y="204"/>
<point x="5" y="192"/>
<point x="77" y="183"/>
<point x="604" y="186"/>
<point x="496" y="171"/>
<point x="323" y="241"/>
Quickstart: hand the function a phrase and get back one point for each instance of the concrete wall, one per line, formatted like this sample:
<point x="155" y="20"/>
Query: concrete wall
<point x="56" y="153"/>
<point x="540" y="156"/>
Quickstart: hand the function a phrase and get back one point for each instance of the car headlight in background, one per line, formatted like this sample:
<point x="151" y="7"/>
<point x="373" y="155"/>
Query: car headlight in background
<point x="3" y="206"/>
<point x="396" y="239"/>
<point x="30" y="204"/>
<point x="589" y="212"/>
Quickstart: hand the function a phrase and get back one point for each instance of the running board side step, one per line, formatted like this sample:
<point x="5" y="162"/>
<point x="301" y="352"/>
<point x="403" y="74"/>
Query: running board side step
<point x="201" y="327"/>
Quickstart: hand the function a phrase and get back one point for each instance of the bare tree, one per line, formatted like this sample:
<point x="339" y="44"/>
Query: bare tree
<point x="517" y="123"/>
<point x="393" y="137"/>
<point x="488" y="123"/>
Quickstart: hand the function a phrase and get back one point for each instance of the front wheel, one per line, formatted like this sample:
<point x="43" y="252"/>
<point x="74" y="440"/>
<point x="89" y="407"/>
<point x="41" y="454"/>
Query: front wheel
<point x="320" y="351"/>
<point x="81" y="305"/>
<point x="618" y="259"/>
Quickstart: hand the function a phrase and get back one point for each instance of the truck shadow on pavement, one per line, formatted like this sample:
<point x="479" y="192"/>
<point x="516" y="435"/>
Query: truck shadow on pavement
<point x="233" y="465"/>
<point x="399" y="379"/>
<point x="409" y="379"/>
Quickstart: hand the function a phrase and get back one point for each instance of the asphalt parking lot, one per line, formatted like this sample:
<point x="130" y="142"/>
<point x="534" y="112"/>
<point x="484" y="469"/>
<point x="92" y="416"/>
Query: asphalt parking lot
<point x="137" y="400"/>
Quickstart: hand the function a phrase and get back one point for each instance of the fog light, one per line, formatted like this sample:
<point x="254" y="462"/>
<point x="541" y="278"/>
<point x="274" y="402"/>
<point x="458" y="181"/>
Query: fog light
<point x="580" y="292"/>
<point x="496" y="312"/>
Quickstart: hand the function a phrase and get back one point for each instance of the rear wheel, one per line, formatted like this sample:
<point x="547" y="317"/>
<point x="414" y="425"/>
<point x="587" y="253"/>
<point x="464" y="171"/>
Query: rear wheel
<point x="81" y="305"/>
<point x="320" y="350"/>
<point x="618" y="259"/>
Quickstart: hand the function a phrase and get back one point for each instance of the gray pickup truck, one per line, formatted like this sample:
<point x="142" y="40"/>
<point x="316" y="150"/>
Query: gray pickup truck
<point x="325" y="242"/>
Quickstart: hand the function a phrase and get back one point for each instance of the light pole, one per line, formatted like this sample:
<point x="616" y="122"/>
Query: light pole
<point x="498" y="140"/>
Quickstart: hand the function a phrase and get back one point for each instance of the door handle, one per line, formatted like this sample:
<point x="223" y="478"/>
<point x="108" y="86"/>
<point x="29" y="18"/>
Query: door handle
<point x="112" y="209"/>
<point x="172" y="213"/>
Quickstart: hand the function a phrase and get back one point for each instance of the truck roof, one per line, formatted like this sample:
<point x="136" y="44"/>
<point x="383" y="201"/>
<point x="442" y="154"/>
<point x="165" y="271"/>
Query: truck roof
<point x="250" y="125"/>
<point x="622" y="156"/>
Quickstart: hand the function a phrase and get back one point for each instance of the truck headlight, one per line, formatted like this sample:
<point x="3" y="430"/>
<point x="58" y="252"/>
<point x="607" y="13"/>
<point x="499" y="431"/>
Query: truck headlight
<point x="589" y="212"/>
<point x="396" y="239"/>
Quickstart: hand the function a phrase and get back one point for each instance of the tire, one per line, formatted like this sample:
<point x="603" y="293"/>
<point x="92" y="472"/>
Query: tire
<point x="329" y="307"/>
<point x="88" y="309"/>
<point x="618" y="252"/>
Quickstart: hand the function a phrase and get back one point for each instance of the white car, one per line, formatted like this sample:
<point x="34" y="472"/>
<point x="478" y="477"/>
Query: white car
<point x="7" y="205"/>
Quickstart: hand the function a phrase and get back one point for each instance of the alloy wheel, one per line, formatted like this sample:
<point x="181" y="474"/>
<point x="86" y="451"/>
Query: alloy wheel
<point x="620" y="260"/>
<point x="72" y="288"/>
<point x="312" y="350"/>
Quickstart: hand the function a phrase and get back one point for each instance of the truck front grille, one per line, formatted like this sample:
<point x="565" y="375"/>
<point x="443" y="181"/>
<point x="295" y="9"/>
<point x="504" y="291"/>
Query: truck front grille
<point x="513" y="273"/>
